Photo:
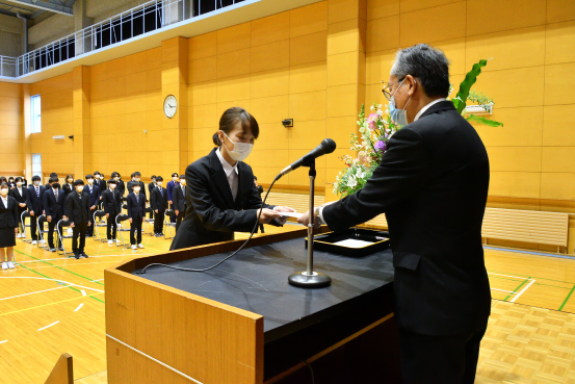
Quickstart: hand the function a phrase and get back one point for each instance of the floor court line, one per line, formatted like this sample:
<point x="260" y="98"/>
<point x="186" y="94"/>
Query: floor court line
<point x="522" y="291"/>
<point x="47" y="305"/>
<point x="79" y="306"/>
<point x="2" y="342"/>
<point x="31" y="293"/>
<point x="48" y="326"/>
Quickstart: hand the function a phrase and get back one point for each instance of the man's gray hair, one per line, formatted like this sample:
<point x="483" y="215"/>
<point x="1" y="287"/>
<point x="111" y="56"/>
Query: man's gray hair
<point x="428" y="64"/>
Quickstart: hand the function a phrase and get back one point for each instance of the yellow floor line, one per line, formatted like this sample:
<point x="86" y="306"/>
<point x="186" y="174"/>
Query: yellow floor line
<point x="45" y="305"/>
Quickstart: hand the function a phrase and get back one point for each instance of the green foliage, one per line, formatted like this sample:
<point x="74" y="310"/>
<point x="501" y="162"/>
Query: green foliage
<point x="479" y="98"/>
<point x="484" y="121"/>
<point x="460" y="101"/>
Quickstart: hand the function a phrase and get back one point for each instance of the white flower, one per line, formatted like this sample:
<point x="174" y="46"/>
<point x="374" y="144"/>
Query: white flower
<point x="371" y="108"/>
<point x="360" y="174"/>
<point x="379" y="112"/>
<point x="378" y="106"/>
<point x="352" y="182"/>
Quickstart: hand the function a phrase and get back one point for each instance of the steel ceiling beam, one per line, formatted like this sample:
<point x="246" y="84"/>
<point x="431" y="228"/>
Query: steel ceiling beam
<point x="45" y="6"/>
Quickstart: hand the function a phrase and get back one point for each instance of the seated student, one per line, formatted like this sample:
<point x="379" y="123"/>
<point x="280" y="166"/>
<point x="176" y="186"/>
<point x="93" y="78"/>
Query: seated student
<point x="180" y="205"/>
<point x="35" y="206"/>
<point x="159" y="202"/>
<point x="78" y="212"/>
<point x="120" y="187"/>
<point x="112" y="202"/>
<point x="136" y="213"/>
<point x="20" y="194"/>
<point x="54" y="205"/>
<point x="93" y="193"/>
<point x="8" y="227"/>
<point x="52" y="176"/>
<point x="68" y="187"/>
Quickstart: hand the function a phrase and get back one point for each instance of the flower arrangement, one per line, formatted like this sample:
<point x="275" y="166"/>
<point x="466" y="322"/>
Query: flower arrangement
<point x="377" y="128"/>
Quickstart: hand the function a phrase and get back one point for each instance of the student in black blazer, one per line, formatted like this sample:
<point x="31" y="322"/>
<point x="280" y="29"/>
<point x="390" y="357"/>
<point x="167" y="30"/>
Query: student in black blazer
<point x="78" y="212"/>
<point x="179" y="199"/>
<point x="221" y="195"/>
<point x="159" y="203"/>
<point x="100" y="183"/>
<point x="151" y="187"/>
<point x="432" y="185"/>
<point x="121" y="187"/>
<point x="20" y="194"/>
<point x="68" y="187"/>
<point x="136" y="213"/>
<point x="52" y="176"/>
<point x="35" y="206"/>
<point x="93" y="193"/>
<point x="112" y="202"/>
<point x="8" y="227"/>
<point x="54" y="205"/>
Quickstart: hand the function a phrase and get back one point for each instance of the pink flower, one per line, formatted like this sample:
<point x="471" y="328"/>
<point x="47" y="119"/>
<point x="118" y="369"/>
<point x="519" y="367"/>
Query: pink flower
<point x="372" y="121"/>
<point x="361" y="156"/>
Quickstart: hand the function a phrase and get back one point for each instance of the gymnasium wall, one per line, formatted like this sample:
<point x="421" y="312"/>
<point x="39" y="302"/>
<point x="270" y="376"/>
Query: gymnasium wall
<point x="11" y="129"/>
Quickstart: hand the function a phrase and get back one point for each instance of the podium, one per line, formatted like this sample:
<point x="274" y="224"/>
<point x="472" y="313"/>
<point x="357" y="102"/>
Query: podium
<point x="242" y="323"/>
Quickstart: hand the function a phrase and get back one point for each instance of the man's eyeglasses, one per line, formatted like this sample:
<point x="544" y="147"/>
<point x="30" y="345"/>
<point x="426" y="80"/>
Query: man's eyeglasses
<point x="387" y="89"/>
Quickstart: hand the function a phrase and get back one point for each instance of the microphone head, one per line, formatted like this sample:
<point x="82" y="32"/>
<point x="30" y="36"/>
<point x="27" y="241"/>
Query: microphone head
<point x="328" y="146"/>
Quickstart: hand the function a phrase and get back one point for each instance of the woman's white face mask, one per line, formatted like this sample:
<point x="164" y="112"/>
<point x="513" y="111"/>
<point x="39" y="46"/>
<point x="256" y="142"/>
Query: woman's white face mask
<point x="4" y="191"/>
<point x="241" y="150"/>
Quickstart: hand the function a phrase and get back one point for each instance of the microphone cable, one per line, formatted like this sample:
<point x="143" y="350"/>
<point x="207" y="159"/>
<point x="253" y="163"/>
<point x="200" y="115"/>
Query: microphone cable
<point x="143" y="271"/>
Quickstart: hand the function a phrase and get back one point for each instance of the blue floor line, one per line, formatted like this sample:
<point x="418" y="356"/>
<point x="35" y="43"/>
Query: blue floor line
<point x="531" y="253"/>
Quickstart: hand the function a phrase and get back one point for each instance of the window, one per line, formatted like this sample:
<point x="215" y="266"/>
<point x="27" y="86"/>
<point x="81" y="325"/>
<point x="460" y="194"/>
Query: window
<point x="36" y="110"/>
<point x="37" y="164"/>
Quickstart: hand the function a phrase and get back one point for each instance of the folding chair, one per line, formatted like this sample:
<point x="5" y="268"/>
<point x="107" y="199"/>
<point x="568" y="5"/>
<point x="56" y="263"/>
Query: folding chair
<point x="149" y="221"/>
<point x="119" y="219"/>
<point x="23" y="217"/>
<point x="63" y="235"/>
<point x="102" y="223"/>
<point x="42" y="221"/>
<point x="170" y="214"/>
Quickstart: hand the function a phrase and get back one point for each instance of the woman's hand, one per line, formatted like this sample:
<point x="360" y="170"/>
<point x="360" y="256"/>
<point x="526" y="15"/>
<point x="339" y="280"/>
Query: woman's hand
<point x="284" y="209"/>
<point x="268" y="215"/>
<point x="130" y="220"/>
<point x="16" y="230"/>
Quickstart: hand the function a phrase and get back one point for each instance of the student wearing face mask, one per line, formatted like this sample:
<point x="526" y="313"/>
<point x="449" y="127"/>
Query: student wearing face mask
<point x="159" y="203"/>
<point x="35" y="205"/>
<point x="170" y="188"/>
<point x="54" y="205"/>
<point x="120" y="186"/>
<point x="52" y="176"/>
<point x="179" y="195"/>
<point x="151" y="187"/>
<point x="8" y="227"/>
<point x="11" y="183"/>
<point x="93" y="193"/>
<point x="112" y="202"/>
<point x="137" y="180"/>
<point x="221" y="194"/>
<point x="20" y="194"/>
<point x="78" y="212"/>
<point x="68" y="187"/>
<point x="136" y="213"/>
<point x="100" y="182"/>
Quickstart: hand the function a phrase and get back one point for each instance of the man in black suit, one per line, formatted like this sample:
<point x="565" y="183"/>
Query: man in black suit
<point x="78" y="212"/>
<point x="136" y="213"/>
<point x="52" y="177"/>
<point x="93" y="193"/>
<point x="54" y="205"/>
<point x="179" y="199"/>
<point x="100" y="183"/>
<point x="137" y="180"/>
<point x="151" y="187"/>
<point x="35" y="206"/>
<point x="159" y="202"/>
<point x="112" y="202"/>
<point x="432" y="185"/>
<point x="121" y="187"/>
<point x="20" y="194"/>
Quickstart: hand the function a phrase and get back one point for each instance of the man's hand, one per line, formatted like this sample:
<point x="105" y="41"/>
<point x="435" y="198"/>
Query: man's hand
<point x="305" y="219"/>
<point x="92" y="207"/>
<point x="72" y="225"/>
<point x="16" y="230"/>
<point x="31" y="213"/>
<point x="177" y="212"/>
<point x="22" y="205"/>
<point x="156" y="211"/>
<point x="284" y="209"/>
<point x="130" y="220"/>
<point x="268" y="215"/>
<point x="89" y="223"/>
<point x="49" y="219"/>
<point x="170" y="202"/>
<point x="107" y="215"/>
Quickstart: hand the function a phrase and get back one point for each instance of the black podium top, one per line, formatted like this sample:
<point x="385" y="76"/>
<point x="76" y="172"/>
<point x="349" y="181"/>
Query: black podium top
<point x="256" y="280"/>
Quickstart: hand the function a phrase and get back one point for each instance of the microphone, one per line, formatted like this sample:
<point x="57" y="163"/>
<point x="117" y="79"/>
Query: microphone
<point x="325" y="147"/>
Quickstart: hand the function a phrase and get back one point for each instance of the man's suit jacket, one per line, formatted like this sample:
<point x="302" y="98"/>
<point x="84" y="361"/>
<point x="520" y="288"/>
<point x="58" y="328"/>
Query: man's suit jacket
<point x="179" y="199"/>
<point x="9" y="215"/>
<point x="101" y="185"/>
<point x="112" y="202"/>
<point x="93" y="197"/>
<point x="68" y="188"/>
<point x="35" y="202"/>
<point x="78" y="209"/>
<point x="432" y="185"/>
<point x="121" y="187"/>
<point x="212" y="215"/>
<point x="136" y="207"/>
<point x="133" y="183"/>
<point x="171" y="185"/>
<point x="51" y="206"/>
<point x="20" y="198"/>
<point x="159" y="199"/>
<point x="151" y="187"/>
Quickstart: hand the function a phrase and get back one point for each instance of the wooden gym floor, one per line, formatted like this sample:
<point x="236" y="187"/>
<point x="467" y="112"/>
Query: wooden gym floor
<point x="50" y="305"/>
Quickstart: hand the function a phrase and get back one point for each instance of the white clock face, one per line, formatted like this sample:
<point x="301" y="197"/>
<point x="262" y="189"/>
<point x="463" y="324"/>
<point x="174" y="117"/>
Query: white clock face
<point x="170" y="106"/>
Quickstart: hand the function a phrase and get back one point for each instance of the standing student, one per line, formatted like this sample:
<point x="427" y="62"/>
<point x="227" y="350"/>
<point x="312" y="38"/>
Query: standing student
<point x="131" y="183"/>
<point x="20" y="194"/>
<point x="52" y="176"/>
<point x="222" y="197"/>
<point x="35" y="206"/>
<point x="136" y="213"/>
<point x="11" y="183"/>
<point x="78" y="212"/>
<point x="137" y="180"/>
<point x="93" y="193"/>
<point x="68" y="187"/>
<point x="8" y="227"/>
<point x="180" y="205"/>
<point x="170" y="188"/>
<point x="151" y="187"/>
<point x="112" y="202"/>
<point x="121" y="187"/>
<point x="159" y="202"/>
<point x="100" y="182"/>
<point x="54" y="205"/>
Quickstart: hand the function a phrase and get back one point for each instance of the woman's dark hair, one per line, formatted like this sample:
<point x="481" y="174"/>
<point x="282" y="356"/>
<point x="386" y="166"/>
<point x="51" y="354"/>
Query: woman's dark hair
<point x="69" y="177"/>
<point x="18" y="179"/>
<point x="231" y="118"/>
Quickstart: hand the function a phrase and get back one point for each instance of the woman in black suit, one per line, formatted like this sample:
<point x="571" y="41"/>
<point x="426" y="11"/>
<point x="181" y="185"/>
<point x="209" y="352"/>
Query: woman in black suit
<point x="8" y="227"/>
<point x="20" y="194"/>
<point x="68" y="187"/>
<point x="220" y="191"/>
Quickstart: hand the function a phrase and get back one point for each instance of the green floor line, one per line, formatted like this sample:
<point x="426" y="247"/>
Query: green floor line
<point x="545" y="285"/>
<point x="56" y="281"/>
<point x="516" y="289"/>
<point x="63" y="269"/>
<point x="535" y="277"/>
<point x="567" y="298"/>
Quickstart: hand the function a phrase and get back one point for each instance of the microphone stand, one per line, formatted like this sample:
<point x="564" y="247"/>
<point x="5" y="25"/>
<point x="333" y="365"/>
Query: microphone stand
<point x="309" y="278"/>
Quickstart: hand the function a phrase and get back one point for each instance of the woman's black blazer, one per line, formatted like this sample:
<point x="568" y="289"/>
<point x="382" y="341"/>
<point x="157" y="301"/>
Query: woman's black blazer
<point x="212" y="215"/>
<point x="9" y="215"/>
